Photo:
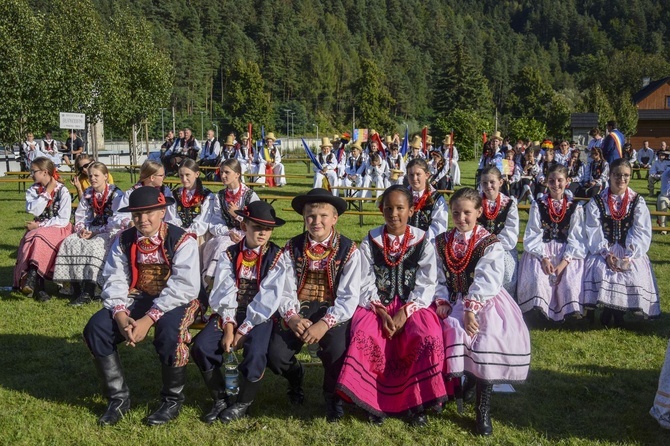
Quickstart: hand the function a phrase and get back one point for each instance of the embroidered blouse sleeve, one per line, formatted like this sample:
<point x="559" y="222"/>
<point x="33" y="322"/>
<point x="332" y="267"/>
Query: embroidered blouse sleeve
<point x="124" y="217"/>
<point x="184" y="283"/>
<point x="223" y="299"/>
<point x="509" y="236"/>
<point x="266" y="301"/>
<point x="217" y="225"/>
<point x="200" y="223"/>
<point x="83" y="215"/>
<point x="532" y="236"/>
<point x="347" y="293"/>
<point x="595" y="238"/>
<point x="64" y="211"/>
<point x="426" y="275"/>
<point x="638" y="239"/>
<point x="171" y="211"/>
<point x="576" y="247"/>
<point x="116" y="279"/>
<point x="488" y="278"/>
<point x="440" y="217"/>
<point x="368" y="297"/>
<point x="604" y="175"/>
<point x="115" y="222"/>
<point x="442" y="295"/>
<point x="288" y="305"/>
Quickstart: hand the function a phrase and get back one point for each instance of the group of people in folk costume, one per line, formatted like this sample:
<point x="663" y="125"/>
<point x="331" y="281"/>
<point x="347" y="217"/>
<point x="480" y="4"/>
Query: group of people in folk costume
<point x="262" y="163"/>
<point x="380" y="165"/>
<point x="386" y="315"/>
<point x="58" y="152"/>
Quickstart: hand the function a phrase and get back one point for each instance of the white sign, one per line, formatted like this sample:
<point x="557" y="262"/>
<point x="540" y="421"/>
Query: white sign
<point x="72" y="121"/>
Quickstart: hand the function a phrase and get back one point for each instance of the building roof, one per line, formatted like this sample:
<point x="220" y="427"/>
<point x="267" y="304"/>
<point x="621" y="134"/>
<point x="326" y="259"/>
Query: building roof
<point x="583" y="120"/>
<point x="649" y="89"/>
<point x="653" y="115"/>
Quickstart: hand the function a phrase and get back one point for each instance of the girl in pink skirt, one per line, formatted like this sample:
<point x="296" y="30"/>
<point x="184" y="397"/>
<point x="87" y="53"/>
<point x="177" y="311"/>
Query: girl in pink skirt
<point x="49" y="202"/>
<point x="394" y="361"/>
<point x="618" y="274"/>
<point x="552" y="265"/>
<point x="485" y="336"/>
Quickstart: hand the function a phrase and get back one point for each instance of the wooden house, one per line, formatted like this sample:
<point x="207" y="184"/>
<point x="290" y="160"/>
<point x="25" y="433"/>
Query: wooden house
<point x="653" y="109"/>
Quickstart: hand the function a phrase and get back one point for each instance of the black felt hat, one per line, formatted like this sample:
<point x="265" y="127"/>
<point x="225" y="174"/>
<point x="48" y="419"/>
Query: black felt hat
<point x="318" y="196"/>
<point x="262" y="213"/>
<point x="146" y="198"/>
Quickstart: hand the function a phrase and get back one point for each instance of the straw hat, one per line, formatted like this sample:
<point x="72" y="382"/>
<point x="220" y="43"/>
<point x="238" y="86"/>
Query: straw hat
<point x="270" y="136"/>
<point x="245" y="136"/>
<point x="356" y="145"/>
<point x="496" y="135"/>
<point x="389" y="139"/>
<point x="325" y="142"/>
<point x="447" y="140"/>
<point x="230" y="141"/>
<point x="415" y="143"/>
<point x="429" y="139"/>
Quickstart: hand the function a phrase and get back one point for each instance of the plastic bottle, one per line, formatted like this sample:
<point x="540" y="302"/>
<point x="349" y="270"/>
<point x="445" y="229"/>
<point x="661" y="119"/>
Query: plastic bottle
<point x="232" y="374"/>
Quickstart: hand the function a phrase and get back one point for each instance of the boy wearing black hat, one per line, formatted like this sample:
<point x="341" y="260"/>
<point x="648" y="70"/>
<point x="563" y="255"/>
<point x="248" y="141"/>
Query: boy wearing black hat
<point x="245" y="268"/>
<point x="316" y="293"/>
<point x="150" y="280"/>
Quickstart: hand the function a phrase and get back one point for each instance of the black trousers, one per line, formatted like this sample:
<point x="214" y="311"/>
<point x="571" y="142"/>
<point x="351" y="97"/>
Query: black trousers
<point x="208" y="353"/>
<point x="285" y="344"/>
<point x="102" y="333"/>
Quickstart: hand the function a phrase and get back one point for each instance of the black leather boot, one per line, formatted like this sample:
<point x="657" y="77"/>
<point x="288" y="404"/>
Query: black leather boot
<point x="295" y="377"/>
<point x="83" y="293"/>
<point x="334" y="410"/>
<point x="172" y="396"/>
<point x="483" y="408"/>
<point x="245" y="398"/>
<point x="469" y="388"/>
<point x="114" y="388"/>
<point x="214" y="382"/>
<point x="606" y="317"/>
<point x="29" y="282"/>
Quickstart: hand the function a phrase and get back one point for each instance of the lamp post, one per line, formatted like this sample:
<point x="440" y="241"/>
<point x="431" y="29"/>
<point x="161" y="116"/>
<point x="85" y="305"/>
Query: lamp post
<point x="292" y="125"/>
<point x="317" y="130"/>
<point x="288" y="111"/>
<point x="162" y="123"/>
<point x="202" y="125"/>
<point x="217" y="129"/>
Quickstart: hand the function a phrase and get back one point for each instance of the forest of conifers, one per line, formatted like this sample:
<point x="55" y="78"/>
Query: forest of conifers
<point x="447" y="64"/>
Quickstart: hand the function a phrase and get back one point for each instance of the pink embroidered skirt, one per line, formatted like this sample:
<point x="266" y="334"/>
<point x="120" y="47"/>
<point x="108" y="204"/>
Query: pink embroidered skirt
<point x="39" y="247"/>
<point x="393" y="376"/>
<point x="499" y="353"/>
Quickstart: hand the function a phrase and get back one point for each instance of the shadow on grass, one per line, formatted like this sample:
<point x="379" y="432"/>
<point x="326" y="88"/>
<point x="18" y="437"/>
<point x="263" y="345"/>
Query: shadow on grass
<point x="592" y="402"/>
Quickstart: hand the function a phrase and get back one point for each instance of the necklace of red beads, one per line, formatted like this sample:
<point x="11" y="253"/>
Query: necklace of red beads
<point x="99" y="206"/>
<point x="387" y="249"/>
<point x="554" y="215"/>
<point x="491" y="215"/>
<point x="456" y="265"/>
<point x="618" y="215"/>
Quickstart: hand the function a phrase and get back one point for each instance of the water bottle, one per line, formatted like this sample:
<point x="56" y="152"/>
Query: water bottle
<point x="232" y="374"/>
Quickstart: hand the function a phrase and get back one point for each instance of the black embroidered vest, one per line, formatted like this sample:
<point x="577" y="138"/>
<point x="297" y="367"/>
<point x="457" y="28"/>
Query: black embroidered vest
<point x="424" y="217"/>
<point x="343" y="248"/>
<point x="189" y="214"/>
<point x="398" y="281"/>
<point x="50" y="211"/>
<point x="555" y="231"/>
<point x="230" y="220"/>
<point x="107" y="212"/>
<point x="616" y="231"/>
<point x="498" y="224"/>
<point x="460" y="283"/>
<point x="247" y="289"/>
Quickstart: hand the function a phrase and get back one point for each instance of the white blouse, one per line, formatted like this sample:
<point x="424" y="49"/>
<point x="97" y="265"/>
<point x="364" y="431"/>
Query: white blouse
<point x="200" y="224"/>
<point x="36" y="204"/>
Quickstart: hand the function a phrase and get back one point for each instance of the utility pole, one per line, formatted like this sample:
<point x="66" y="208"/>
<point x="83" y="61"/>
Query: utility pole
<point x="287" y="110"/>
<point x="202" y="125"/>
<point x="317" y="130"/>
<point x="162" y="123"/>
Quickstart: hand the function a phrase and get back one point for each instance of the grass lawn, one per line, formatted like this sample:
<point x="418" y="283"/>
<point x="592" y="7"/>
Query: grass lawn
<point x="587" y="384"/>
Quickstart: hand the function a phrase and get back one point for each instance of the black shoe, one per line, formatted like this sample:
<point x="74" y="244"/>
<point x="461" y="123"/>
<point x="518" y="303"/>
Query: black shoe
<point x="29" y="282"/>
<point x="235" y="412"/>
<point x="418" y="420"/>
<point x="82" y="299"/>
<point x="215" y="384"/>
<point x="590" y="316"/>
<point x="43" y="296"/>
<point x="618" y="318"/>
<point x="469" y="389"/>
<point x="172" y="396"/>
<point x="606" y="317"/>
<point x="375" y="420"/>
<point x="296" y="394"/>
<point x="483" y="408"/>
<point x="334" y="410"/>
<point x="114" y="388"/>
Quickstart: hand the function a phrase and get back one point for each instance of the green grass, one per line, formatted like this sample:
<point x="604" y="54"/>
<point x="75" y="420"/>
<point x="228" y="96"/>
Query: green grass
<point x="587" y="385"/>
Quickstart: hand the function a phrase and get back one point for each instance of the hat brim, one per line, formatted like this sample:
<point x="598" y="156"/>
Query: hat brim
<point x="269" y="223"/>
<point x="299" y="202"/>
<point x="168" y="201"/>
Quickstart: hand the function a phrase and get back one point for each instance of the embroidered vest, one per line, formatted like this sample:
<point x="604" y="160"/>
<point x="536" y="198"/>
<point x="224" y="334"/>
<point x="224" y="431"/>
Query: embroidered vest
<point x="152" y="279"/>
<point x="107" y="212"/>
<point x="597" y="169"/>
<point x="247" y="289"/>
<point x="498" y="224"/>
<point x="230" y="220"/>
<point x="189" y="214"/>
<point x="616" y="231"/>
<point x="460" y="283"/>
<point x="398" y="281"/>
<point x="325" y="160"/>
<point x="574" y="170"/>
<point x="342" y="247"/>
<point x="50" y="211"/>
<point x="555" y="231"/>
<point x="424" y="217"/>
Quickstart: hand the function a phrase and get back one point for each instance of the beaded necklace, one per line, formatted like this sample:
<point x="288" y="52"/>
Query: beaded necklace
<point x="491" y="215"/>
<point x="387" y="250"/>
<point x="99" y="206"/>
<point x="556" y="216"/>
<point x="456" y="265"/>
<point x="618" y="215"/>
